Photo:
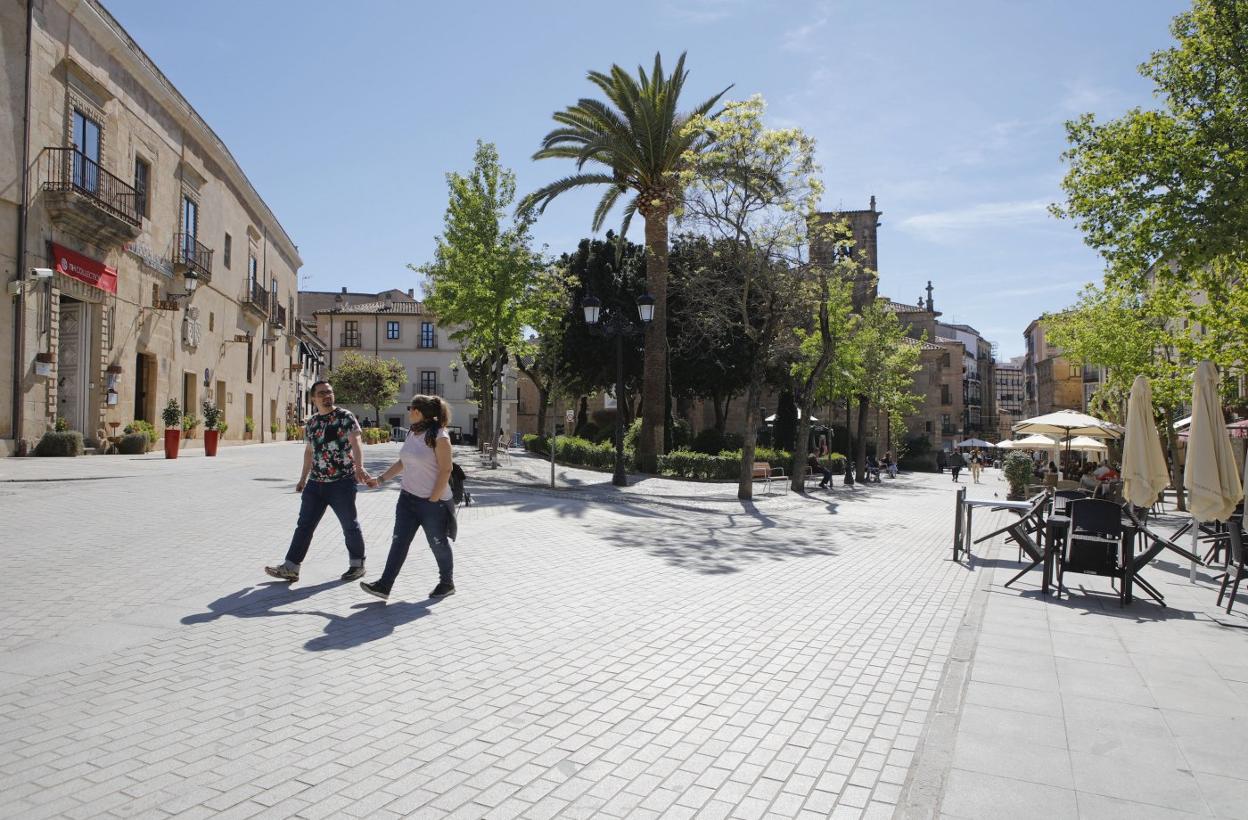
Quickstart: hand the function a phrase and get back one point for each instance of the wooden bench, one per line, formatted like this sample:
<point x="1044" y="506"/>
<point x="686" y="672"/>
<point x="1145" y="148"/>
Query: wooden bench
<point x="764" y="472"/>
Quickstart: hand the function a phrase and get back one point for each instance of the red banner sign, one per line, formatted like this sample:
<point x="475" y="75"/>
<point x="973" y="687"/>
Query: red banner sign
<point x="85" y="269"/>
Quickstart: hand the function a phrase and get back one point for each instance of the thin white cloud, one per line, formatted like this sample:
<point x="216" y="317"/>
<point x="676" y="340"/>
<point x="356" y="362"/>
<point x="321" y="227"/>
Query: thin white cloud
<point x="703" y="11"/>
<point x="951" y="225"/>
<point x="1073" y="286"/>
<point x="804" y="37"/>
<point x="1082" y="96"/>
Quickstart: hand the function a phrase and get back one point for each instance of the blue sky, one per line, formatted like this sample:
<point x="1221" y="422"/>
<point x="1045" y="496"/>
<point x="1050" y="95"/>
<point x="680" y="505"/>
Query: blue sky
<point x="346" y="117"/>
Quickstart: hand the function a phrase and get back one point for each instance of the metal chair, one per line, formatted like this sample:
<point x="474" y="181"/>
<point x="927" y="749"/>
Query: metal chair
<point x="1092" y="546"/>
<point x="1235" y="538"/>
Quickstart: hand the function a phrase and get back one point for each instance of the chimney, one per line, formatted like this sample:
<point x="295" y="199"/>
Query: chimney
<point x="344" y="290"/>
<point x="411" y="292"/>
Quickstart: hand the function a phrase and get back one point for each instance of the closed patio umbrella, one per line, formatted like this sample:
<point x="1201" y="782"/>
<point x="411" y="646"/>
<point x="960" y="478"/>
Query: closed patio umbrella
<point x="1144" y="473"/>
<point x="1210" y="477"/>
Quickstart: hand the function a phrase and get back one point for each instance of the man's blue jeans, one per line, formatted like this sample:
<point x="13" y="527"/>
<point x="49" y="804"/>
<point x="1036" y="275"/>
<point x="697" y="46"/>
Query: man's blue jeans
<point x="410" y="514"/>
<point x="340" y="497"/>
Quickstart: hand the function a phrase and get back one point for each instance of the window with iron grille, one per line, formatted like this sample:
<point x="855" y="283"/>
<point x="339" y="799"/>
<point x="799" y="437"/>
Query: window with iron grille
<point x="351" y="333"/>
<point x="429" y="382"/>
<point x="225" y="250"/>
<point x="392" y="330"/>
<point x="426" y="334"/>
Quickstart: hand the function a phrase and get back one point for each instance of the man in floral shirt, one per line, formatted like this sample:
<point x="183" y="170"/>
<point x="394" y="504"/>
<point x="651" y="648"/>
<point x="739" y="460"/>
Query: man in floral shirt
<point x="332" y="464"/>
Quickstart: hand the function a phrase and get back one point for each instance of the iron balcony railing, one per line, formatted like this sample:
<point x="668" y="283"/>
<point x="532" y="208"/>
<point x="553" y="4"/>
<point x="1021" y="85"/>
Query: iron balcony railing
<point x="349" y="340"/>
<point x="256" y="297"/>
<point x="193" y="256"/>
<point x="430" y="388"/>
<point x="277" y="316"/>
<point x="428" y="341"/>
<point x="67" y="169"/>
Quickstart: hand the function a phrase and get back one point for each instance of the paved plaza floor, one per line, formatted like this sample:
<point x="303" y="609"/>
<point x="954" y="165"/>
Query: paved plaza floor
<point x="659" y="651"/>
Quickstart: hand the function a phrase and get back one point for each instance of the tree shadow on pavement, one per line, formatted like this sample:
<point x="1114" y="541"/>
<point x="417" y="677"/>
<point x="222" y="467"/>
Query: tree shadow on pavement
<point x="370" y="621"/>
<point x="258" y="601"/>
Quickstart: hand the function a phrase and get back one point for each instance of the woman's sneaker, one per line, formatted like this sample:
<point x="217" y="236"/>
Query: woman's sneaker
<point x="352" y="573"/>
<point x="283" y="571"/>
<point x="442" y="590"/>
<point x="374" y="589"/>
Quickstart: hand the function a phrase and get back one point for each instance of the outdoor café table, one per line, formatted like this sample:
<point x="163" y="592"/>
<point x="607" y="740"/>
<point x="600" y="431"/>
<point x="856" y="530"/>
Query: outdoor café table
<point x="962" y="531"/>
<point x="1058" y="528"/>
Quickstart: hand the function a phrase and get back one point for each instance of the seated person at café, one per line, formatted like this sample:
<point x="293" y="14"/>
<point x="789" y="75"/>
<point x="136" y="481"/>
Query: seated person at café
<point x="1105" y="472"/>
<point x="812" y="461"/>
<point x="1089" y="481"/>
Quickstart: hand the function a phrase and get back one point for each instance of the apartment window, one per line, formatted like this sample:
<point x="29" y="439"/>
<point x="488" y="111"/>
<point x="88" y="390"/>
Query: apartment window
<point x="429" y="382"/>
<point x="1075" y="372"/>
<point x="392" y="330"/>
<point x="251" y="271"/>
<point x="190" y="221"/>
<point x="142" y="178"/>
<point x="226" y="249"/>
<point x="212" y="321"/>
<point x="944" y="394"/>
<point x="250" y="353"/>
<point x="351" y="333"/>
<point x="944" y="359"/>
<point x="927" y="427"/>
<point x="426" y="334"/>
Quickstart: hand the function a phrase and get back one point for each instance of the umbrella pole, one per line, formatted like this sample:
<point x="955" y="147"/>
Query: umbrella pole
<point x="1191" y="573"/>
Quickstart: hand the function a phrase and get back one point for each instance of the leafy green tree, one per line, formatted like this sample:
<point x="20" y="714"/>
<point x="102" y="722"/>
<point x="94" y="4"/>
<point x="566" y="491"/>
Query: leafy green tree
<point x="368" y="381"/>
<point x="640" y="141"/>
<point x="754" y="193"/>
<point x="1171" y="184"/>
<point x="485" y="281"/>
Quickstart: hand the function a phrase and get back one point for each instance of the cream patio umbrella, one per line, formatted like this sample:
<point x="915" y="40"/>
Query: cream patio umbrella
<point x="1210" y="477"/>
<point x="1067" y="424"/>
<point x="1086" y="444"/>
<point x="1033" y="442"/>
<point x="1144" y="473"/>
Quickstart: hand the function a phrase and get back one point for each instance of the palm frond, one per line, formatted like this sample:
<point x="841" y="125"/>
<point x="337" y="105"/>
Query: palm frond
<point x="609" y="198"/>
<point x="540" y="198"/>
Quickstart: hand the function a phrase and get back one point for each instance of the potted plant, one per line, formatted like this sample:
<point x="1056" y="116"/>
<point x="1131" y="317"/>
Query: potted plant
<point x="212" y="420"/>
<point x="249" y="427"/>
<point x="1017" y="469"/>
<point x="172" y="417"/>
<point x="189" y="422"/>
<point x="273" y="429"/>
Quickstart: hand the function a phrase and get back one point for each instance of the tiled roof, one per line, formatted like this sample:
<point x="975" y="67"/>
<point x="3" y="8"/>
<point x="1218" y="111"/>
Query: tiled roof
<point x="921" y="345"/>
<point x="898" y="307"/>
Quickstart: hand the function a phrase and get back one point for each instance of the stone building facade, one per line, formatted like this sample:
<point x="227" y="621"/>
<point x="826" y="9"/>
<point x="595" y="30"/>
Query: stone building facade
<point x="393" y="324"/>
<point x="1010" y="393"/>
<point x="1050" y="381"/>
<point x="141" y="264"/>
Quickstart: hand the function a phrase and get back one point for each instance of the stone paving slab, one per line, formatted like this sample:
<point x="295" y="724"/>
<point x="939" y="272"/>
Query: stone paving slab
<point x="1081" y="708"/>
<point x="671" y="653"/>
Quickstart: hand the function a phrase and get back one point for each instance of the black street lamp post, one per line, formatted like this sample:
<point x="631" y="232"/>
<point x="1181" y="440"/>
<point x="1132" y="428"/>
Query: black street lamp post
<point x="618" y="326"/>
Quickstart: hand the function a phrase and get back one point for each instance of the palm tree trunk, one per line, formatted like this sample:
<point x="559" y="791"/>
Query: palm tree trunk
<point x="654" y="378"/>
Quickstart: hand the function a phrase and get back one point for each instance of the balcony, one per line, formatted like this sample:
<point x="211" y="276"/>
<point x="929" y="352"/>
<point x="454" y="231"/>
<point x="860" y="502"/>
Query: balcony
<point x="277" y="316"/>
<point x="430" y="388"/>
<point x="428" y="341"/>
<point x="349" y="340"/>
<point x="256" y="299"/>
<point x="87" y="201"/>
<point x="192" y="259"/>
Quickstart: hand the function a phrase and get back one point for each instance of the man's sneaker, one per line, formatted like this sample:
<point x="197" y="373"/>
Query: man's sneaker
<point x="352" y="573"/>
<point x="284" y="572"/>
<point x="442" y="590"/>
<point x="374" y="589"/>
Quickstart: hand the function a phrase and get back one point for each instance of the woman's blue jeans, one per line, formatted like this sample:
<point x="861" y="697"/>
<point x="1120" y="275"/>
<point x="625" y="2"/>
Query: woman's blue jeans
<point x="410" y="514"/>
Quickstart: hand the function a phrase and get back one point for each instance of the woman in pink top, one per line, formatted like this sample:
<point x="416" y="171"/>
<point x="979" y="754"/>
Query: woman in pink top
<point x="425" y="501"/>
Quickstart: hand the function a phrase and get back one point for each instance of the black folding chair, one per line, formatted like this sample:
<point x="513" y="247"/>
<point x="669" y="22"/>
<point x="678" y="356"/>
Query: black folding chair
<point x="1235" y="533"/>
<point x="1093" y="544"/>
<point x="1030" y="523"/>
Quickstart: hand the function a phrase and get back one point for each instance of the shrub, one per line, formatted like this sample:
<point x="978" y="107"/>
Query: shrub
<point x="249" y="425"/>
<point x="682" y="433"/>
<point x="293" y="432"/>
<point x="575" y="450"/>
<point x="172" y="415"/>
<point x="1017" y="469"/>
<point x="222" y="427"/>
<point x="533" y="443"/>
<point x="60" y="443"/>
<point x="778" y="458"/>
<point x="630" y="436"/>
<point x="212" y="415"/>
<point x="712" y="442"/>
<point x="145" y="428"/>
<point x="692" y="464"/>
<point x="61" y="425"/>
<point x="190" y="422"/>
<point x="133" y="444"/>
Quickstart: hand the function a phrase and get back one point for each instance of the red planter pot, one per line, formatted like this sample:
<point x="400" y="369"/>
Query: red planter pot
<point x="171" y="443"/>
<point x="210" y="442"/>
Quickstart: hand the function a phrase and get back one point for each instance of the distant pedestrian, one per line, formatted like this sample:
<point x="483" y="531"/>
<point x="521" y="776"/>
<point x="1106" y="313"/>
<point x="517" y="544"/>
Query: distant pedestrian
<point x="977" y="464"/>
<point x="956" y="463"/>
<point x="812" y="461"/>
<point x="940" y="461"/>
<point x="890" y="463"/>
<point x="332" y="464"/>
<point x="426" y="499"/>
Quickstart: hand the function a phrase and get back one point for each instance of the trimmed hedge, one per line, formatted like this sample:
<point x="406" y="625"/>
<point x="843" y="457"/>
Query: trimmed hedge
<point x="577" y="451"/>
<point x="134" y="444"/>
<point x="145" y="428"/>
<point x="62" y="443"/>
<point x="376" y="435"/>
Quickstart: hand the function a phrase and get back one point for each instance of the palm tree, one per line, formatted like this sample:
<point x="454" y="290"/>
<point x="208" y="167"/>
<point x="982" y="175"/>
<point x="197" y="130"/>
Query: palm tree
<point x="640" y="140"/>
